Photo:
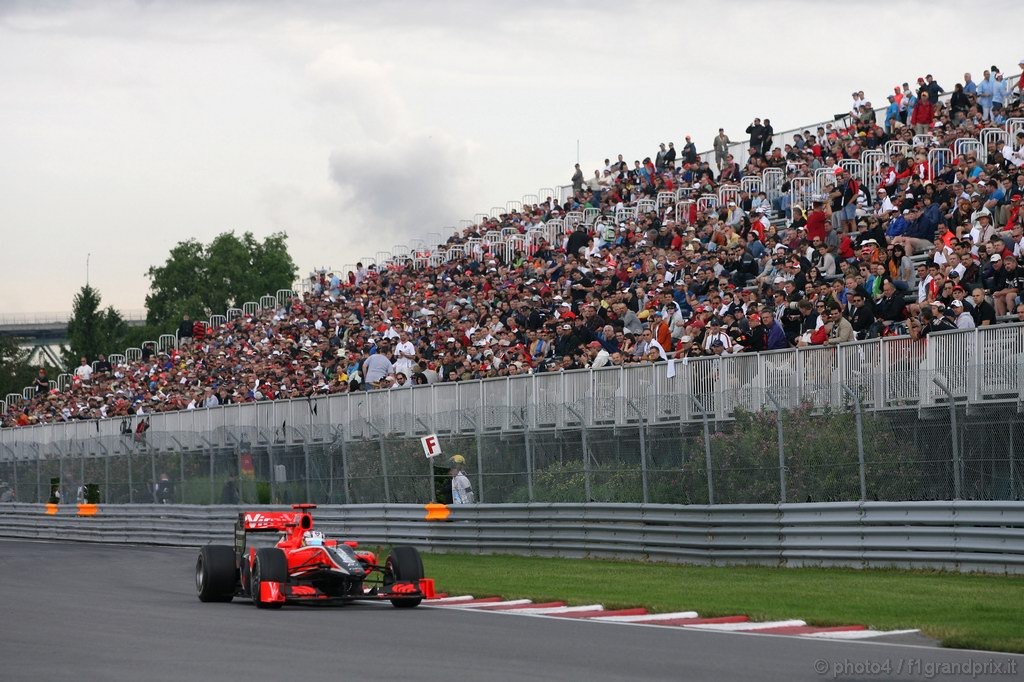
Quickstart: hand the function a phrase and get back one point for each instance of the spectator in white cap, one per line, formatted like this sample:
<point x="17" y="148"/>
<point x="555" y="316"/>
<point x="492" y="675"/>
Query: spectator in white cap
<point x="734" y="215"/>
<point x="883" y="206"/>
<point x="962" y="318"/>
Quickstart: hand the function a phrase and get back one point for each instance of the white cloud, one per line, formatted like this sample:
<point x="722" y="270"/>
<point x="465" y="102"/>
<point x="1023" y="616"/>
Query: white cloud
<point x="361" y="88"/>
<point x="354" y="126"/>
<point x="407" y="186"/>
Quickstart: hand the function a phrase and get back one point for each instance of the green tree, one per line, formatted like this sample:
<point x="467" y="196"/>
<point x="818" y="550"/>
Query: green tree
<point x="15" y="372"/>
<point x="92" y="331"/>
<point x="201" y="280"/>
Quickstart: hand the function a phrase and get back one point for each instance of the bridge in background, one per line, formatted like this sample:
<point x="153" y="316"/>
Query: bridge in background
<point x="44" y="333"/>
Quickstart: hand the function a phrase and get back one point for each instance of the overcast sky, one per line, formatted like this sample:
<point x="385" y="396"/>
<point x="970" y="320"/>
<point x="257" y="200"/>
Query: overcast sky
<point x="126" y="127"/>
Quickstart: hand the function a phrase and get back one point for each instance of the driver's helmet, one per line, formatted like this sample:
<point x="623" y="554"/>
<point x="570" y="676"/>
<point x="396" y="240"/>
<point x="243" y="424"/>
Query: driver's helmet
<point x="313" y="538"/>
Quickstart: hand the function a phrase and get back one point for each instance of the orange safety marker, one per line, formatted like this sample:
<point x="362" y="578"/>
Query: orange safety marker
<point x="86" y="509"/>
<point x="51" y="508"/>
<point x="437" y="512"/>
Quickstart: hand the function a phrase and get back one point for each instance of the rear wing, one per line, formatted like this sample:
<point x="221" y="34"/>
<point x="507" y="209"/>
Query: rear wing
<point x="296" y="521"/>
<point x="267" y="522"/>
<point x="276" y="521"/>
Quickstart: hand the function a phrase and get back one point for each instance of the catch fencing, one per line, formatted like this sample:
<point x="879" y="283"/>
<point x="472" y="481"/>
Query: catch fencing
<point x="591" y="450"/>
<point x="960" y="536"/>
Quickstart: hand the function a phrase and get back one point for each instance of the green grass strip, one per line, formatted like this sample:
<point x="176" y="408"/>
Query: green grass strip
<point x="960" y="610"/>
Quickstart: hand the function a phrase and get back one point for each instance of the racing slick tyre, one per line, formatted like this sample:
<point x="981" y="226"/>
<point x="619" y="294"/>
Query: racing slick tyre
<point x="405" y="565"/>
<point x="215" y="573"/>
<point x="270" y="565"/>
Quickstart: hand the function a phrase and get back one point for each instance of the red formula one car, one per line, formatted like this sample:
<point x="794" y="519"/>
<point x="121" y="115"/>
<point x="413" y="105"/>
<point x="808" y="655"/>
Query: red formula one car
<point x="304" y="567"/>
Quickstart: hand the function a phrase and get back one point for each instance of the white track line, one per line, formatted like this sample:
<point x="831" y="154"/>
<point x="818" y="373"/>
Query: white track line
<point x="489" y="604"/>
<point x="450" y="600"/>
<point x="545" y="610"/>
<point x="859" y="634"/>
<point x="744" y="627"/>
<point x="650" y="617"/>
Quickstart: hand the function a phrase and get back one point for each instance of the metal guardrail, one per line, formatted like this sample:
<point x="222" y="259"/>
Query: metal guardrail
<point x="958" y="536"/>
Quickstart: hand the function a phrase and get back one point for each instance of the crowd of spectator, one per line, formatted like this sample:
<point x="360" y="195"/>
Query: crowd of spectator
<point x="755" y="274"/>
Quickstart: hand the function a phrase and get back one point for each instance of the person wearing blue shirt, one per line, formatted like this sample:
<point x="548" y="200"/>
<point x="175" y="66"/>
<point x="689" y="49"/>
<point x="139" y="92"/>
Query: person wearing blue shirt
<point x="985" y="96"/>
<point x="892" y="113"/>
<point x="998" y="92"/>
<point x="908" y="104"/>
<point x="969" y="86"/>
<point x="898" y="226"/>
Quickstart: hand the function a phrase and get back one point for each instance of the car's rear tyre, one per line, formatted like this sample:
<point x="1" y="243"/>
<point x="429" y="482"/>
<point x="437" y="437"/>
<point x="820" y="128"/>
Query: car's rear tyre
<point x="404" y="565"/>
<point x="272" y="566"/>
<point x="216" y="574"/>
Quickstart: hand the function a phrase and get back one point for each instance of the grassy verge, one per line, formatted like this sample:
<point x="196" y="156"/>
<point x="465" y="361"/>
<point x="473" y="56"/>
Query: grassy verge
<point x="961" y="611"/>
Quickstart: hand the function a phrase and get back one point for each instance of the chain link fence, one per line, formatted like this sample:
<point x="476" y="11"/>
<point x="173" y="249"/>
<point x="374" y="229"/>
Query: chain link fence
<point x="792" y="449"/>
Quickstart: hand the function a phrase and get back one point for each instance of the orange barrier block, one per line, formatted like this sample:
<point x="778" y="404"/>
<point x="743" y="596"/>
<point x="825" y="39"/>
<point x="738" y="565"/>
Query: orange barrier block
<point x="51" y="509"/>
<point x="86" y="509"/>
<point x="437" y="512"/>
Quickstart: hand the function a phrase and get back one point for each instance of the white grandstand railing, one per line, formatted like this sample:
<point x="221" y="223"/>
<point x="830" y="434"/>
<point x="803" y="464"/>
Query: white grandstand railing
<point x="938" y="159"/>
<point x="979" y="366"/>
<point x="993" y="136"/>
<point x="963" y="146"/>
<point x="1014" y="126"/>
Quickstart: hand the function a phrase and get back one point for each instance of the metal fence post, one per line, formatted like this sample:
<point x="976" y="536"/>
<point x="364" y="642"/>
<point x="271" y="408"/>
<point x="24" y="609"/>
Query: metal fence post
<point x="529" y="464"/>
<point x="478" y="435"/>
<point x="344" y="468"/>
<point x="643" y="450"/>
<point x="955" y="437"/>
<point x="305" y="454"/>
<point x="181" y="476"/>
<point x="384" y="469"/>
<point x="707" y="447"/>
<point x="241" y="476"/>
<point x="586" y="453"/>
<point x="213" y="471"/>
<point x="782" y="447"/>
<point x="1013" y="465"/>
<point x="860" y="441"/>
<point x="430" y="461"/>
<point x="152" y="466"/>
<point x="383" y="462"/>
<point x="131" y="483"/>
<point x="479" y="462"/>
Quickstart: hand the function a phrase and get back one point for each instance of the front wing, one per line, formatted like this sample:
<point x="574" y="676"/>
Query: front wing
<point x="272" y="592"/>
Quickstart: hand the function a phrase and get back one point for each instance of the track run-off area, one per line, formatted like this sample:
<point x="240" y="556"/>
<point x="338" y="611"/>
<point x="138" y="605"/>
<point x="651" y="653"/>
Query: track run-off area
<point x="102" y="612"/>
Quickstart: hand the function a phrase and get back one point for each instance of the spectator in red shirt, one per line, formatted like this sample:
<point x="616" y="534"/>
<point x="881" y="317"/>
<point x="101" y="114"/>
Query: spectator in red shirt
<point x="923" y="115"/>
<point x="818" y="220"/>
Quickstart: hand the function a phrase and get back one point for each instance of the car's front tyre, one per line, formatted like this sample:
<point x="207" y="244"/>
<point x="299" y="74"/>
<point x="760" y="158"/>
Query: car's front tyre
<point x="404" y="565"/>
<point x="270" y="565"/>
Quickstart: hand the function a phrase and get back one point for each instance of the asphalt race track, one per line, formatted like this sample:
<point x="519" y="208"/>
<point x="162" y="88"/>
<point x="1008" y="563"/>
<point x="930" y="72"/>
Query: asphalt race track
<point x="99" y="612"/>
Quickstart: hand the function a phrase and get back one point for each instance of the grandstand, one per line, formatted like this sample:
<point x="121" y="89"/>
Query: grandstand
<point x="850" y="253"/>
